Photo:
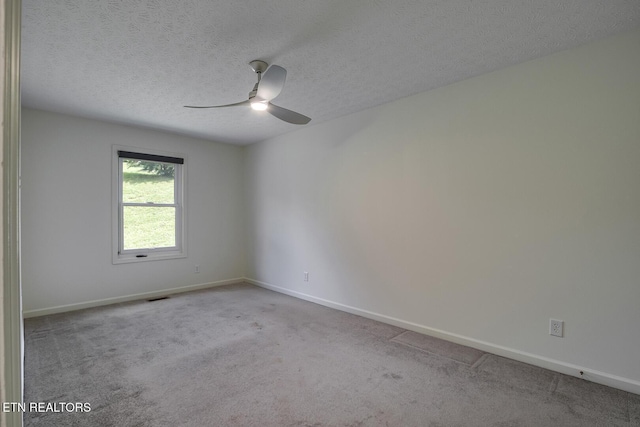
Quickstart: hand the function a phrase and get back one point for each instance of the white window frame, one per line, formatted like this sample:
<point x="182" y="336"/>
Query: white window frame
<point x="119" y="254"/>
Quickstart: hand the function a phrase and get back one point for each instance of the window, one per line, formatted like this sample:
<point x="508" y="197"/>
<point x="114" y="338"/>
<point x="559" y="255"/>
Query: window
<point x="148" y="205"/>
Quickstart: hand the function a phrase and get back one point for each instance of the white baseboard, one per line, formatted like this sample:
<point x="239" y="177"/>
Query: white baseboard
<point x="133" y="297"/>
<point x="604" y="378"/>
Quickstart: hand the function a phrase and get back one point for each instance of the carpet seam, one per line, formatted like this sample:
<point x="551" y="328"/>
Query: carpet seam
<point x="432" y="353"/>
<point x="396" y="336"/>
<point x="480" y="361"/>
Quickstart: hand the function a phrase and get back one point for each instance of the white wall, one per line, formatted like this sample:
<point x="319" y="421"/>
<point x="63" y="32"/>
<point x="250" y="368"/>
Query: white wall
<point x="66" y="212"/>
<point x="476" y="211"/>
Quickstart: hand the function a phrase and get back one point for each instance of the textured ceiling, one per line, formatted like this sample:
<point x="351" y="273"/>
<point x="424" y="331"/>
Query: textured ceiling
<point x="139" y="61"/>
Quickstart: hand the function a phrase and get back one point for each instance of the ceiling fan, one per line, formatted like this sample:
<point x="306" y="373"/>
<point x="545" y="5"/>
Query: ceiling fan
<point x="269" y="85"/>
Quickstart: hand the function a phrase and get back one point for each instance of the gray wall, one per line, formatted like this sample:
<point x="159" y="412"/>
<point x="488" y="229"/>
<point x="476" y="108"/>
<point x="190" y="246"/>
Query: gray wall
<point x="66" y="212"/>
<point x="476" y="211"/>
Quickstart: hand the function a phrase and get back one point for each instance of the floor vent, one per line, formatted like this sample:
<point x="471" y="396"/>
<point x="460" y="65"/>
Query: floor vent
<point x="157" y="299"/>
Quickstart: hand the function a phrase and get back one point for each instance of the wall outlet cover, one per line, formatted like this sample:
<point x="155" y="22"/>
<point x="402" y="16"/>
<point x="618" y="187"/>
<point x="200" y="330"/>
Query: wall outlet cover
<point x="556" y="327"/>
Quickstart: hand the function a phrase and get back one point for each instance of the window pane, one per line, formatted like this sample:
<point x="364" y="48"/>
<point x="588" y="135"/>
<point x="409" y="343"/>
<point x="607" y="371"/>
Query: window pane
<point x="145" y="181"/>
<point x="149" y="227"/>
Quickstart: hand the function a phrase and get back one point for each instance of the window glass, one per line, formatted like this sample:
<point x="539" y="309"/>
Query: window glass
<point x="148" y="182"/>
<point x="149" y="227"/>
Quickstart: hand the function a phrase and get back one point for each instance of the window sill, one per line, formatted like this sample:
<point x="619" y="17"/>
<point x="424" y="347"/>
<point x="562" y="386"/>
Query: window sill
<point x="158" y="256"/>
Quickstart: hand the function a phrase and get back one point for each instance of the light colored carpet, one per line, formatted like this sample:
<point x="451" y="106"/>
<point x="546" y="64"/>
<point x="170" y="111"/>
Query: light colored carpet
<point x="244" y="356"/>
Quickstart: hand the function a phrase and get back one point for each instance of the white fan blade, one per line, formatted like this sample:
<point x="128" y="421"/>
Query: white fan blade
<point x="220" y="106"/>
<point x="271" y="83"/>
<point x="288" y="115"/>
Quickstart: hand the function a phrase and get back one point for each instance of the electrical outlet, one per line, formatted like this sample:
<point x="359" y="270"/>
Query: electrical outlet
<point x="556" y="328"/>
<point x="306" y="276"/>
<point x="196" y="269"/>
